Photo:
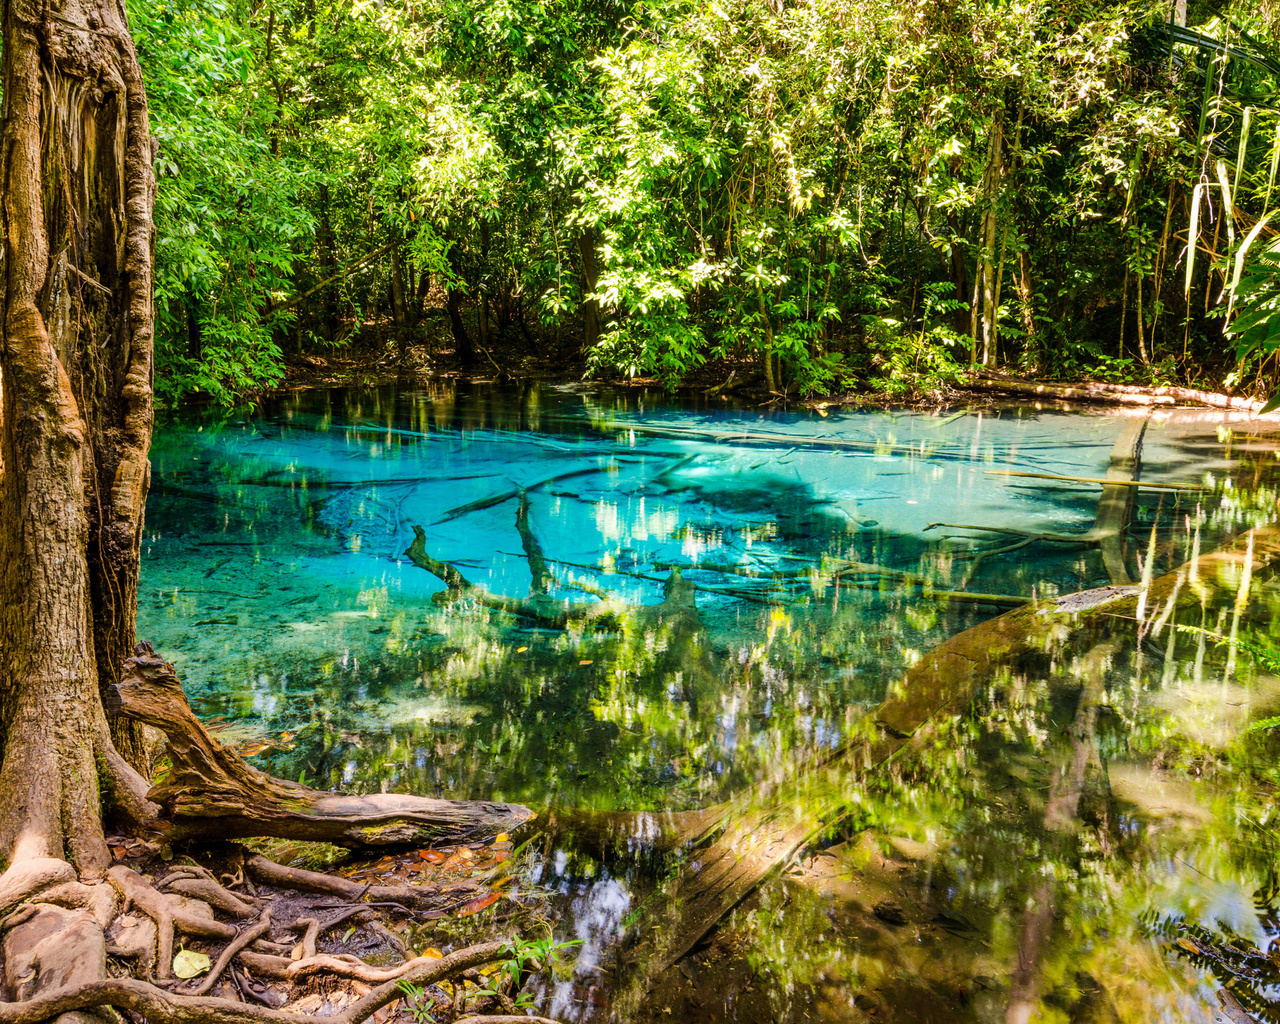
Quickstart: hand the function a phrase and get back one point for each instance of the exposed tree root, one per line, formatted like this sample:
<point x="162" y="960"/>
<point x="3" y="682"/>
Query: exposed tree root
<point x="213" y="793"/>
<point x="161" y="1007"/>
<point x="137" y="892"/>
<point x="210" y="892"/>
<point x="412" y="897"/>
<point x="262" y="927"/>
<point x="59" y="954"/>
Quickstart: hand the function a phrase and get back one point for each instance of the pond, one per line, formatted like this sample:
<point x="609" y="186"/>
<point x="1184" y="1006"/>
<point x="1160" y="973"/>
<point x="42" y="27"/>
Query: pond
<point x="829" y="552"/>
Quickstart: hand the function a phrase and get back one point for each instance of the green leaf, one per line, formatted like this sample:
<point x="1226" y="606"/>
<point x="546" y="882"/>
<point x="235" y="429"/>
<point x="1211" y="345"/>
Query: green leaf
<point x="1193" y="234"/>
<point x="1240" y="256"/>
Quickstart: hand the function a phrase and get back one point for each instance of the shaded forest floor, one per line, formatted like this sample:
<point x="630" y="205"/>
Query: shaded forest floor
<point x="371" y="358"/>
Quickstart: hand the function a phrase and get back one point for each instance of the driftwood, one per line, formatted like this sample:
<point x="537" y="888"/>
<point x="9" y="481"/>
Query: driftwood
<point x="1112" y="394"/>
<point x="750" y="839"/>
<point x="212" y="793"/>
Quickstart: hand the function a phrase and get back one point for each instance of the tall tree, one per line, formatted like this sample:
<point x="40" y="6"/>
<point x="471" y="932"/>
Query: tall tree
<point x="76" y="363"/>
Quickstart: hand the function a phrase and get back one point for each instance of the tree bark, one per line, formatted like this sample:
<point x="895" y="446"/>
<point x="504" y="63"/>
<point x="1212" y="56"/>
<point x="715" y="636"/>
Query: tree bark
<point x="328" y="270"/>
<point x="211" y="793"/>
<point x="462" y="343"/>
<point x="398" y="306"/>
<point x="76" y="362"/>
<point x="590" y="281"/>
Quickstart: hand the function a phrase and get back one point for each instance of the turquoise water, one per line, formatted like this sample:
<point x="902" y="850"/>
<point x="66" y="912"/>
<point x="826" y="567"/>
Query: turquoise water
<point x="274" y="575"/>
<point x="275" y="578"/>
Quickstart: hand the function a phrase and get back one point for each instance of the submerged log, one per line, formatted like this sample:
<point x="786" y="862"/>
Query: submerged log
<point x="212" y="793"/>
<point x="749" y="839"/>
<point x="1114" y="507"/>
<point x="678" y="603"/>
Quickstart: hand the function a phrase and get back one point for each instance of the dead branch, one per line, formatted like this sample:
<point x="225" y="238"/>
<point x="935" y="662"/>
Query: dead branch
<point x="545" y="610"/>
<point x="1145" y="484"/>
<point x="504" y="496"/>
<point x="1113" y="394"/>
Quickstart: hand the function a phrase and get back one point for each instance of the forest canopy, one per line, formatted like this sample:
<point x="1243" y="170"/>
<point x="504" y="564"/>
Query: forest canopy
<point x="832" y="190"/>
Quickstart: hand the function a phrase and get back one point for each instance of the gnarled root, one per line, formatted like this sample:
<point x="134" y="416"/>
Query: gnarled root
<point x="213" y="793"/>
<point x="412" y="897"/>
<point x="161" y="1007"/>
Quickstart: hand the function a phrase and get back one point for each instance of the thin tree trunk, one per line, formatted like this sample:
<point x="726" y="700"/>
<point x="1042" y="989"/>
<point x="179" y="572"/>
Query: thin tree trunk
<point x="1026" y="299"/>
<point x="462" y="343"/>
<point x="590" y="281"/>
<point x="995" y="323"/>
<point x="76" y="362"/>
<point x="1124" y="310"/>
<point x="995" y="171"/>
<point x="482" y="291"/>
<point x="328" y="271"/>
<point x="398" y="310"/>
<point x="1142" y="344"/>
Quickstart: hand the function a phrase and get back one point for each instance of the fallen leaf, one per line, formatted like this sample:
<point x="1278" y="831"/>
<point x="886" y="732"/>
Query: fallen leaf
<point x="189" y="965"/>
<point x="477" y="905"/>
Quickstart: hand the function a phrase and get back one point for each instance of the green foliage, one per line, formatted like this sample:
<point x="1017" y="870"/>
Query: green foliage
<point x="231" y="219"/>
<point x="831" y="190"/>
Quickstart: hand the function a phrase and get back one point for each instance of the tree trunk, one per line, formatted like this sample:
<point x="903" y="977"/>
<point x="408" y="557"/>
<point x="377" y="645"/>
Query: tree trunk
<point x="398" y="307"/>
<point x="1026" y="300"/>
<point x="462" y="342"/>
<point x="590" y="281"/>
<point x="76" y="362"/>
<point x="328" y="270"/>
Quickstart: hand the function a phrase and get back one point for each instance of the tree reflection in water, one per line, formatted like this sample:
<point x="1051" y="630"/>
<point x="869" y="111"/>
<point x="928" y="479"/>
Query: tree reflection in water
<point x="1085" y="842"/>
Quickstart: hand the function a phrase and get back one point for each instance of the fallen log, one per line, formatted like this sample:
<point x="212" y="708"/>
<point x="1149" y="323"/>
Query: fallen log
<point x="212" y="793"/>
<point x="750" y="839"/>
<point x="1165" y="396"/>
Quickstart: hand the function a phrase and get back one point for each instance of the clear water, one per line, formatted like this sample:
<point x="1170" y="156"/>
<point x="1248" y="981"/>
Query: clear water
<point x="274" y="577"/>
